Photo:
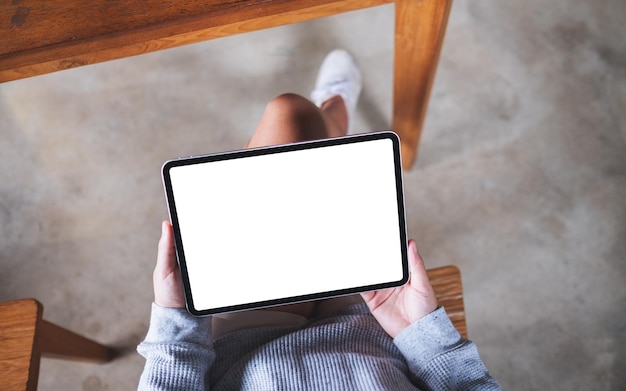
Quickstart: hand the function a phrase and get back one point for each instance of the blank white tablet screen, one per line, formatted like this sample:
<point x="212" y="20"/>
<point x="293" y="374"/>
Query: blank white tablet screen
<point x="289" y="224"/>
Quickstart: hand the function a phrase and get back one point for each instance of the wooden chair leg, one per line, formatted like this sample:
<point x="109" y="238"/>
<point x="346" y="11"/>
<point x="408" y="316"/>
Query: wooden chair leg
<point x="55" y="341"/>
<point x="420" y="28"/>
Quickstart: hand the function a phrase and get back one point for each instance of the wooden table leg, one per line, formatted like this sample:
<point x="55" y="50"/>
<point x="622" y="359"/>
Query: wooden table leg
<point x="420" y="28"/>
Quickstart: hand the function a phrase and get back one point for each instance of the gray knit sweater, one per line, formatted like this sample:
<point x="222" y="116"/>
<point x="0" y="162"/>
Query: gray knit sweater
<point x="346" y="351"/>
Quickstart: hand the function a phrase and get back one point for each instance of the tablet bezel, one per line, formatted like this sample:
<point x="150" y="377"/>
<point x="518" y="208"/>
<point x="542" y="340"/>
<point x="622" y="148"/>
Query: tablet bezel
<point x="192" y="160"/>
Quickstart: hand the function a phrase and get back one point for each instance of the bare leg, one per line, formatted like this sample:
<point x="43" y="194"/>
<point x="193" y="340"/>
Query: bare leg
<point x="291" y="118"/>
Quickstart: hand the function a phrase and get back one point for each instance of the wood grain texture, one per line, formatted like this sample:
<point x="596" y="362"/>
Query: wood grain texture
<point x="449" y="290"/>
<point x="420" y="29"/>
<point x="19" y="363"/>
<point x="64" y="34"/>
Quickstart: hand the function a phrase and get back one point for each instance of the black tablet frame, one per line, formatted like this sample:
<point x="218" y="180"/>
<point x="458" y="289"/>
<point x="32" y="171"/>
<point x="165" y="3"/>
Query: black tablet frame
<point x="167" y="183"/>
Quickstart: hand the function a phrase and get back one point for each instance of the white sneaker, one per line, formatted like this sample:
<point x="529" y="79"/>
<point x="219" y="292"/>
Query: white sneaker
<point x="338" y="75"/>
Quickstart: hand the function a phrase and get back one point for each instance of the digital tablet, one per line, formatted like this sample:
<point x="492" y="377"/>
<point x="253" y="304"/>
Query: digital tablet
<point x="290" y="223"/>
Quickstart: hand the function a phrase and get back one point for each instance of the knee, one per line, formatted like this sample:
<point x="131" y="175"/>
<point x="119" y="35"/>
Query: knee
<point x="290" y="106"/>
<point x="289" y="118"/>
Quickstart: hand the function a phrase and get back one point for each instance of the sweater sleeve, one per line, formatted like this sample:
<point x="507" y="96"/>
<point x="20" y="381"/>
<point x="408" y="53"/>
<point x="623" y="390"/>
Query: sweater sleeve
<point x="178" y="351"/>
<point x="440" y="359"/>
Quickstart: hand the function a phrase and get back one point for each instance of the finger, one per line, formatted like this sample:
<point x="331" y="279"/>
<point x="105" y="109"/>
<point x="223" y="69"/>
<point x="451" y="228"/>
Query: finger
<point x="166" y="255"/>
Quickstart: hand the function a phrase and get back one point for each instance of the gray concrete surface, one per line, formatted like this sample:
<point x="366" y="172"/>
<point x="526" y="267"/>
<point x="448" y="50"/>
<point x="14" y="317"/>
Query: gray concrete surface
<point x="521" y="178"/>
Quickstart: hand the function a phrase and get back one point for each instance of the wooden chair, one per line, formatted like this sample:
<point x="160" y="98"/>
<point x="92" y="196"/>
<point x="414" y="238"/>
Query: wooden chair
<point x="25" y="336"/>
<point x="449" y="290"/>
<point x="40" y="36"/>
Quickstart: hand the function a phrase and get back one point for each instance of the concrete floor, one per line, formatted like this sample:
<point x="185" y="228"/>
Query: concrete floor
<point x="521" y="178"/>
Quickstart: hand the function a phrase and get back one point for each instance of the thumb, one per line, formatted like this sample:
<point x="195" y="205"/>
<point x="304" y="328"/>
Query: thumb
<point x="419" y="278"/>
<point x="166" y="254"/>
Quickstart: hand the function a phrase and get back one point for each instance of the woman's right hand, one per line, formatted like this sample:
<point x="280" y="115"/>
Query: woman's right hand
<point x="397" y="308"/>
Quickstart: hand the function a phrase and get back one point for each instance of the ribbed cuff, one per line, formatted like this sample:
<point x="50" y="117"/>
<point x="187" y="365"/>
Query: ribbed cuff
<point x="428" y="337"/>
<point x="171" y="325"/>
